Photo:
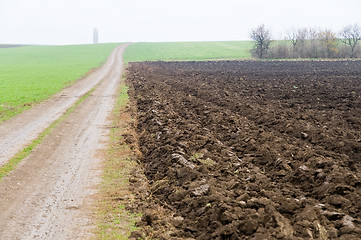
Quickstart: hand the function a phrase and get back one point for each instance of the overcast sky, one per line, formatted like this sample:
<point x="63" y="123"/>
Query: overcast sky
<point x="72" y="21"/>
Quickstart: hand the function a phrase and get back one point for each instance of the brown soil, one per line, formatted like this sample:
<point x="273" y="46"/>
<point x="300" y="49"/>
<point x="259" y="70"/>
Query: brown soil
<point x="49" y="194"/>
<point x="251" y="150"/>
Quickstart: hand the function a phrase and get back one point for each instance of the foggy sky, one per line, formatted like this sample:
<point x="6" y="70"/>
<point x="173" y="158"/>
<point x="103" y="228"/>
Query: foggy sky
<point x="72" y="21"/>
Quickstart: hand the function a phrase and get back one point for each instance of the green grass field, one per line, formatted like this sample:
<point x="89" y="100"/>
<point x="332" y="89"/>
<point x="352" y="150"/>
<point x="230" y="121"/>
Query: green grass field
<point x="31" y="74"/>
<point x="188" y="51"/>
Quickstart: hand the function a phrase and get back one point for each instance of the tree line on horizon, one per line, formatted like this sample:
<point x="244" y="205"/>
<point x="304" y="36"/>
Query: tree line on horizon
<point x="308" y="43"/>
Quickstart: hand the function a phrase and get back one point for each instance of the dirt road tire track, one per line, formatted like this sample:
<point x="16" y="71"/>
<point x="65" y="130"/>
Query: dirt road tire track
<point x="49" y="195"/>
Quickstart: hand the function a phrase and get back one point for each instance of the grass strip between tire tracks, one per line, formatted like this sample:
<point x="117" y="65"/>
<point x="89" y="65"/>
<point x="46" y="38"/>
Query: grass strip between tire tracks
<point x="18" y="157"/>
<point x="115" y="220"/>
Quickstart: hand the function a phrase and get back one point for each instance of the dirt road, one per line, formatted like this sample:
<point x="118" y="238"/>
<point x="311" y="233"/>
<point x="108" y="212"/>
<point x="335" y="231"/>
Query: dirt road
<point x="49" y="195"/>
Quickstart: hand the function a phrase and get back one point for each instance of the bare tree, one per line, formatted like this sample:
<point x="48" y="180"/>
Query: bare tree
<point x="262" y="36"/>
<point x="292" y="36"/>
<point x="350" y="35"/>
<point x="308" y="43"/>
<point x="297" y="38"/>
<point x="313" y="46"/>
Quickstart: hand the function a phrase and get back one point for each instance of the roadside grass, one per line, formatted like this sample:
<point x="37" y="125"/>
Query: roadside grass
<point x="115" y="221"/>
<point x="18" y="157"/>
<point x="188" y="51"/>
<point x="31" y="74"/>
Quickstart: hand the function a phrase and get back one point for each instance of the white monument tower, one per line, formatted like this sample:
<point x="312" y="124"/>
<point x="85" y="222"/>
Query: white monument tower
<point x="95" y="36"/>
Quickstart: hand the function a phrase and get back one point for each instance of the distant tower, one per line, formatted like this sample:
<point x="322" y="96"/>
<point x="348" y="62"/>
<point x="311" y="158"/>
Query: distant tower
<point x="95" y="36"/>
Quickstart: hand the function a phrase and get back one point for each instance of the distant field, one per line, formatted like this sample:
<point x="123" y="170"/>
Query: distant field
<point x="10" y="45"/>
<point x="187" y="51"/>
<point x="33" y="73"/>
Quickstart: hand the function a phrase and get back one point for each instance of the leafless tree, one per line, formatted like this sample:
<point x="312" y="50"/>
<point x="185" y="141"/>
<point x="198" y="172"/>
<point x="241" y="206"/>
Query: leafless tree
<point x="292" y="35"/>
<point x="262" y="36"/>
<point x="350" y="35"/>
<point x="313" y="44"/>
<point x="308" y="43"/>
<point x="297" y="38"/>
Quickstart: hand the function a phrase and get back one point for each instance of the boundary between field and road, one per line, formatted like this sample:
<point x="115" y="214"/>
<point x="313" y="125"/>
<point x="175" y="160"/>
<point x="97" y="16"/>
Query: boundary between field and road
<point x="114" y="219"/>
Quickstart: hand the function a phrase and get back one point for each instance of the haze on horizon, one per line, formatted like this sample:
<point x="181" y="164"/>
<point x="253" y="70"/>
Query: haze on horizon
<point x="72" y="21"/>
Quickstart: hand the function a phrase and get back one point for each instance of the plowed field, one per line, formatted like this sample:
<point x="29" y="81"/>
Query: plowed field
<point x="252" y="150"/>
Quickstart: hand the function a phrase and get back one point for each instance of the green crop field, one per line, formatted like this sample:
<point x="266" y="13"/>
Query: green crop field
<point x="188" y="51"/>
<point x="31" y="74"/>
